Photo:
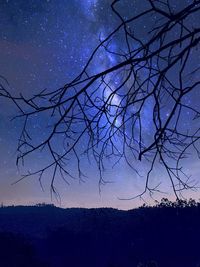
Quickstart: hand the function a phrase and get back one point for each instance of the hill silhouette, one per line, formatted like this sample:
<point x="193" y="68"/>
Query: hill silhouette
<point x="166" y="235"/>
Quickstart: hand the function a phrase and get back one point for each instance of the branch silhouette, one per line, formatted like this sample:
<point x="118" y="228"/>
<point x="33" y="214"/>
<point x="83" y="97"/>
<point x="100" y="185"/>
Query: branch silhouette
<point x="107" y="110"/>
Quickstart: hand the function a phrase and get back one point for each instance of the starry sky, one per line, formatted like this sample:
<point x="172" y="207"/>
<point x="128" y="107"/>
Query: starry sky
<point x="43" y="44"/>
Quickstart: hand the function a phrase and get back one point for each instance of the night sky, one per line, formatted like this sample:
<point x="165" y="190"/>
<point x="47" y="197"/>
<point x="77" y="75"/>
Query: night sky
<point x="43" y="44"/>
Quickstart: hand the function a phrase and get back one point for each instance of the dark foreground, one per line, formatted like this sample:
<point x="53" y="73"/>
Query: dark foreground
<point x="165" y="236"/>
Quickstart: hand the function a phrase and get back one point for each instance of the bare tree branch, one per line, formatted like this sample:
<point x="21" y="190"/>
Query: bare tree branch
<point x="154" y="73"/>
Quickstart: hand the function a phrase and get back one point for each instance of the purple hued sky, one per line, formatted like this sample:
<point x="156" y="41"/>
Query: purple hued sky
<point x="44" y="43"/>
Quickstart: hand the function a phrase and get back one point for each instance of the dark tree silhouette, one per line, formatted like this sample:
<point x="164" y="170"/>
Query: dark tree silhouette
<point x="152" y="72"/>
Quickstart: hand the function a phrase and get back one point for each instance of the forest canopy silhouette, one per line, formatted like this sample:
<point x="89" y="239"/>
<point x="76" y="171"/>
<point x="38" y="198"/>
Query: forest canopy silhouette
<point x="101" y="237"/>
<point x="133" y="108"/>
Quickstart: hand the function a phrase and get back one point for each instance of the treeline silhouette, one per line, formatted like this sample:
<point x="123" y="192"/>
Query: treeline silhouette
<point x="165" y="235"/>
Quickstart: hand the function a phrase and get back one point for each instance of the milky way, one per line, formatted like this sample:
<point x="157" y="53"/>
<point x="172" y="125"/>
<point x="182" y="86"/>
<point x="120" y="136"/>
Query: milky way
<point x="44" y="44"/>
